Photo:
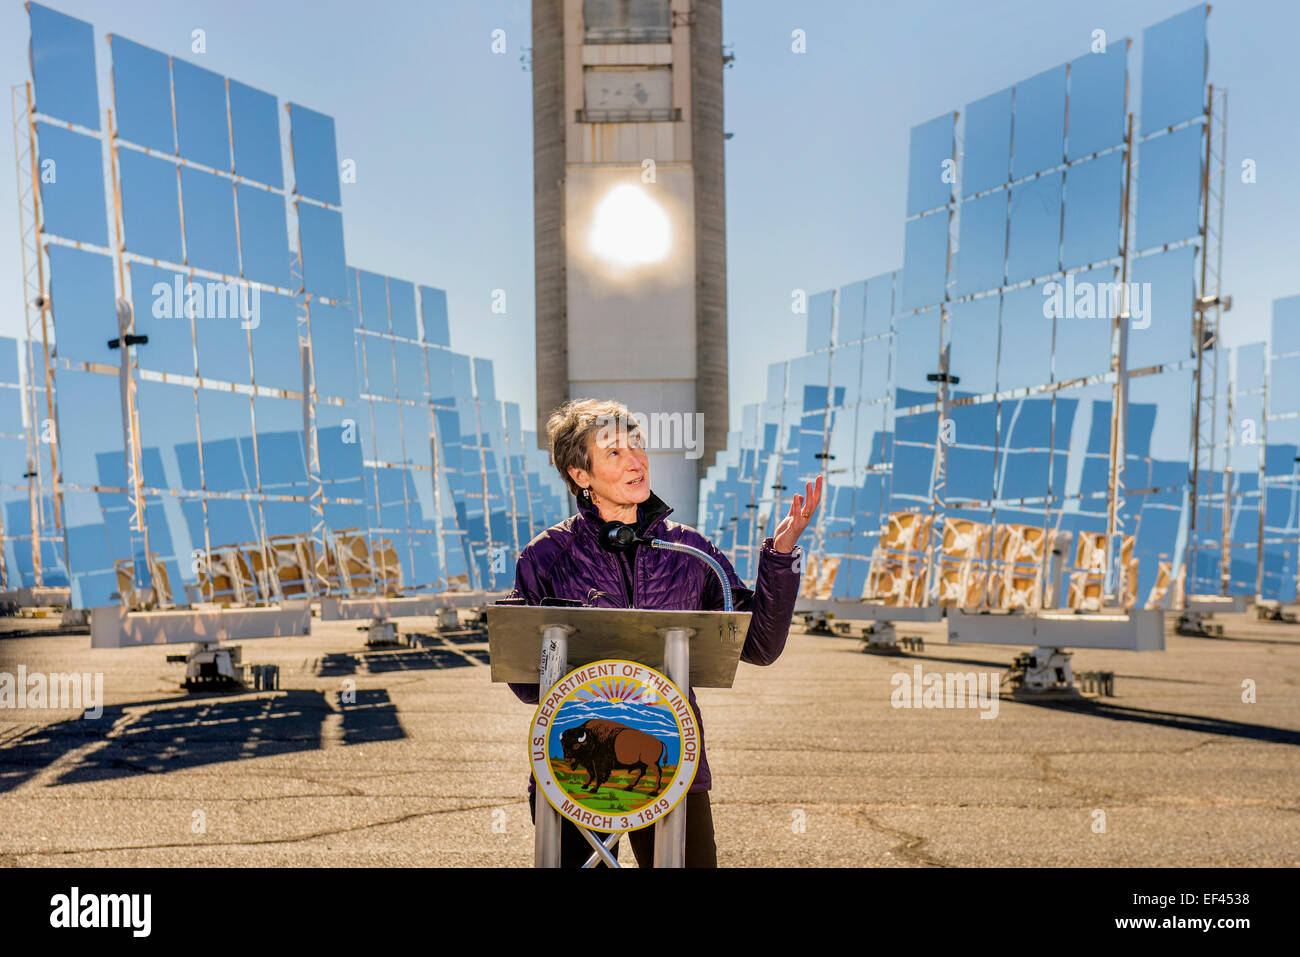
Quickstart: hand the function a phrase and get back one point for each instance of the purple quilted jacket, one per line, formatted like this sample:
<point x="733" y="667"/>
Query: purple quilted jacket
<point x="565" y="561"/>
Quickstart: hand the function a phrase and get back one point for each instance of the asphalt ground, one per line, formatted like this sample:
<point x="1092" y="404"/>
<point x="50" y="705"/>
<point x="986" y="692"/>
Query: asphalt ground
<point x="426" y="764"/>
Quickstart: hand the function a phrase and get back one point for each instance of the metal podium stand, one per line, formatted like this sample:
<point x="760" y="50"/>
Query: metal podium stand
<point x="693" y="648"/>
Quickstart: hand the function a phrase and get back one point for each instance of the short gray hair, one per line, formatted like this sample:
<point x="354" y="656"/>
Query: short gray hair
<point x="571" y="427"/>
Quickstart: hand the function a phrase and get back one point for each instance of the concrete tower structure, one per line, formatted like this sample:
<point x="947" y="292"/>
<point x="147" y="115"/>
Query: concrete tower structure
<point x="630" y="222"/>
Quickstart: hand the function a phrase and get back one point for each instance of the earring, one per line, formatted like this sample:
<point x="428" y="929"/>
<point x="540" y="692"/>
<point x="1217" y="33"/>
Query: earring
<point x="586" y="493"/>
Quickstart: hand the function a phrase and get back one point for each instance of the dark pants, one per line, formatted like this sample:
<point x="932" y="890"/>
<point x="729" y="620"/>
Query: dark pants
<point x="701" y="851"/>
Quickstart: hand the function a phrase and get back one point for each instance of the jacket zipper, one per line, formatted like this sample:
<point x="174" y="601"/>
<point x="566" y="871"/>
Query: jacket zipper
<point x="636" y="563"/>
<point x="636" y="560"/>
<point x="625" y="579"/>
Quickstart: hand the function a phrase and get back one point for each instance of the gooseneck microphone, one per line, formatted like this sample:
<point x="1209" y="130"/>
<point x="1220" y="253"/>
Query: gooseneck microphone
<point x="620" y="536"/>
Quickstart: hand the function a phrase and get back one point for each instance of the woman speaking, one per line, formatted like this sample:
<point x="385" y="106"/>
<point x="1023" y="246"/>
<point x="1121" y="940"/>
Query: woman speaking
<point x="599" y="452"/>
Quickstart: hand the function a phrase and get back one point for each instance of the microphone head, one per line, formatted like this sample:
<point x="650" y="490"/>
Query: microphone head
<point x="617" y="536"/>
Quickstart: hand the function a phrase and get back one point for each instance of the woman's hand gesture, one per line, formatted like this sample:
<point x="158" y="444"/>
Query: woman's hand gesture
<point x="801" y="512"/>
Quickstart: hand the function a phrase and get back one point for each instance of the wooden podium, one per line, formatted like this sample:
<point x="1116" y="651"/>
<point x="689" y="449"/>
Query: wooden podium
<point x="540" y="644"/>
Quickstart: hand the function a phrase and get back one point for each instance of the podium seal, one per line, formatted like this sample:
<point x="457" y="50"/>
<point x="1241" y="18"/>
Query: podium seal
<point x="614" y="745"/>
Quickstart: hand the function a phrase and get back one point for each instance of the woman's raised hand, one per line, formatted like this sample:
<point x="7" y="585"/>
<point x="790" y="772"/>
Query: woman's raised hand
<point x="802" y="510"/>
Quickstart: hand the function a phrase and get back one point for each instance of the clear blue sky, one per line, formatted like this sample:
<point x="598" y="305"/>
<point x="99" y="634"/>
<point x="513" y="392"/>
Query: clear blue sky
<point x="441" y="131"/>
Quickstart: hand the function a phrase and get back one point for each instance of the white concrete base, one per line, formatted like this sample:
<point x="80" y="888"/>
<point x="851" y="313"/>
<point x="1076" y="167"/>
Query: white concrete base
<point x="381" y="632"/>
<point x="114" y="627"/>
<point x="379" y="606"/>
<point x="1213" y="604"/>
<point x="850" y="610"/>
<point x="1138" y="630"/>
<point x="35" y="597"/>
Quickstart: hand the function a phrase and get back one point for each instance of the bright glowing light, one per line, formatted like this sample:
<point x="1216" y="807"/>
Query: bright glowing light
<point x="629" y="228"/>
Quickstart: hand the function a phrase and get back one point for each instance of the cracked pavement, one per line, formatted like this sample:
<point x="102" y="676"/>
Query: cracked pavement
<point x="413" y="758"/>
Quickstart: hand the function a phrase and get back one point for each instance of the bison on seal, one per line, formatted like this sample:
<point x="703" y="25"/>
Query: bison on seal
<point x="600" y="746"/>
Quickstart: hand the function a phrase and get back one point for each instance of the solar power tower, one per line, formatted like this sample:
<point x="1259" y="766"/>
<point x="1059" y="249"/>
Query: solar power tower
<point x="630" y="222"/>
<point x="217" y="410"/>
<point x="1014" y="420"/>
